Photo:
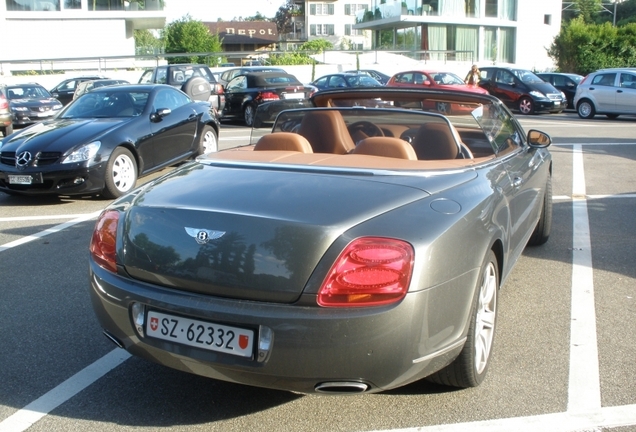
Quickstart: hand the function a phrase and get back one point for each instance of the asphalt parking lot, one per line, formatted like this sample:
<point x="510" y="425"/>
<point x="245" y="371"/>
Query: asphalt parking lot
<point x="564" y="356"/>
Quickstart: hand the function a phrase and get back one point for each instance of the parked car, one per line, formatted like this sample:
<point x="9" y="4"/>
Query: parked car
<point x="65" y="90"/>
<point x="607" y="91"/>
<point x="376" y="75"/>
<point x="229" y="74"/>
<point x="317" y="265"/>
<point x="246" y="92"/>
<point x="565" y="82"/>
<point x="104" y="140"/>
<point x="187" y="78"/>
<point x="86" y="86"/>
<point x="438" y="80"/>
<point x="522" y="90"/>
<point x="6" y="117"/>
<point x="30" y="103"/>
<point x="344" y="80"/>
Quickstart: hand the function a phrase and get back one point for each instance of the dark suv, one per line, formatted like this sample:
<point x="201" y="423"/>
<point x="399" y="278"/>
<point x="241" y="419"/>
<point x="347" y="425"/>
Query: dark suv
<point x="522" y="90"/>
<point x="65" y="90"/>
<point x="187" y="78"/>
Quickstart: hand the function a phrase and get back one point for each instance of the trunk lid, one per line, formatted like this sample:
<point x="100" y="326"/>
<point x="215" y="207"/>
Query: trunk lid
<point x="254" y="234"/>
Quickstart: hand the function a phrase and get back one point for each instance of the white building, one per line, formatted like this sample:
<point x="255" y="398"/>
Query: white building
<point x="335" y="21"/>
<point x="57" y="29"/>
<point x="478" y="31"/>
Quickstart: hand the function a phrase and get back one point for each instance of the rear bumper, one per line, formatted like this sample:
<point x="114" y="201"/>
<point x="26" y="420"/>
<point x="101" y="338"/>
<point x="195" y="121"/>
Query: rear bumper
<point x="382" y="347"/>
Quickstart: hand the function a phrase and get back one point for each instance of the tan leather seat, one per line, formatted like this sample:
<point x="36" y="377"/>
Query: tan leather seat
<point x="387" y="147"/>
<point x="435" y="141"/>
<point x="327" y="132"/>
<point x="286" y="141"/>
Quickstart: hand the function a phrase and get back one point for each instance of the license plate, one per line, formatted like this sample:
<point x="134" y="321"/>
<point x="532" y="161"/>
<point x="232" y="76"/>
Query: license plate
<point x="45" y="114"/>
<point x="20" y="179"/>
<point x="294" y="96"/>
<point x="201" y="334"/>
<point x="557" y="103"/>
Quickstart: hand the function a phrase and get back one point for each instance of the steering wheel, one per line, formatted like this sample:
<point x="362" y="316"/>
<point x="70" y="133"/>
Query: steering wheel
<point x="364" y="129"/>
<point x="409" y="135"/>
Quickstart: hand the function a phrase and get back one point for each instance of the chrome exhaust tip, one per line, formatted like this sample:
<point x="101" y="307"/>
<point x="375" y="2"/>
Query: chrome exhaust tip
<point x="341" y="387"/>
<point x="113" y="339"/>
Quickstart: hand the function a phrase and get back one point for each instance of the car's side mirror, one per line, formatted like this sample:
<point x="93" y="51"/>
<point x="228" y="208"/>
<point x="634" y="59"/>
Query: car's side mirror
<point x="159" y="114"/>
<point x="427" y="83"/>
<point x="538" y="139"/>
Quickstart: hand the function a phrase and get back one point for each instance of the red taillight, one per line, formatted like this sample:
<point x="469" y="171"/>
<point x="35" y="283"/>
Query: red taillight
<point x="103" y="246"/>
<point x="584" y="79"/>
<point x="371" y="271"/>
<point x="3" y="103"/>
<point x="218" y="89"/>
<point x="267" y="96"/>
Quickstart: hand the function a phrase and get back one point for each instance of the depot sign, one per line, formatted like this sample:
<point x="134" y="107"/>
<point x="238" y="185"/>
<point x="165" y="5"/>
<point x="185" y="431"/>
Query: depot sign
<point x="244" y="32"/>
<point x="250" y="32"/>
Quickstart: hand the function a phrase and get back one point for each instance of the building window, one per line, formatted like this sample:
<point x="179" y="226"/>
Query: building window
<point x="321" y="9"/>
<point x="491" y="8"/>
<point x="321" y="30"/>
<point x="547" y="19"/>
<point x="350" y="31"/>
<point x="351" y="9"/>
<point x="39" y="6"/>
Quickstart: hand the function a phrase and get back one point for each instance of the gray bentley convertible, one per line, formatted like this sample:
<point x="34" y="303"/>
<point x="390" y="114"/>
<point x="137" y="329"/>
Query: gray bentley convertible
<point x="357" y="246"/>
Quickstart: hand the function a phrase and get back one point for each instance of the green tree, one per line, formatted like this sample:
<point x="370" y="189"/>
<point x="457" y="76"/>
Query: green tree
<point x="285" y="15"/>
<point x="589" y="10"/>
<point x="583" y="48"/>
<point x="316" y="46"/>
<point x="191" y="36"/>
<point x="147" y="43"/>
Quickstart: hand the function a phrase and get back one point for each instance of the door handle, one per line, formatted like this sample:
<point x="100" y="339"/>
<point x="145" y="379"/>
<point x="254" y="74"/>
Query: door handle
<point x="619" y="91"/>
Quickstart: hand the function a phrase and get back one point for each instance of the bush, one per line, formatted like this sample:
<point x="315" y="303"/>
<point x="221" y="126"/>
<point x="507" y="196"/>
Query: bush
<point x="583" y="48"/>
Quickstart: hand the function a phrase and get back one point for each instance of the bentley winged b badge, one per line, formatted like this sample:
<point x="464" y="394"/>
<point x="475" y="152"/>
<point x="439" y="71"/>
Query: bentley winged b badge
<point x="202" y="236"/>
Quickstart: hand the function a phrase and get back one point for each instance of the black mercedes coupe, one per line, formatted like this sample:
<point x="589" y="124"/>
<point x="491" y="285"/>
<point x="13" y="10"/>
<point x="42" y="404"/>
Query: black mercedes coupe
<point x="103" y="141"/>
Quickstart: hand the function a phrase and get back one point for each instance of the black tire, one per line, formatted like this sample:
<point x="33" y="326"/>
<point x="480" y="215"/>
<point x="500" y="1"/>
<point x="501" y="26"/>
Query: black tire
<point x="612" y="116"/>
<point x="121" y="174"/>
<point x="470" y="367"/>
<point x="209" y="142"/>
<point x="526" y="105"/>
<point x="541" y="232"/>
<point x="585" y="109"/>
<point x="249" y="112"/>
<point x="197" y="88"/>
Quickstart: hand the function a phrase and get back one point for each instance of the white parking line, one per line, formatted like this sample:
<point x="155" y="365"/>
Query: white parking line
<point x="47" y="217"/>
<point x="46" y="232"/>
<point x="24" y="418"/>
<point x="584" y="391"/>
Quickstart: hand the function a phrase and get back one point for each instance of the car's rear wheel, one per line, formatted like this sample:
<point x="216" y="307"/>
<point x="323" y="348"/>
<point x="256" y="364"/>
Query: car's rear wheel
<point x="209" y="142"/>
<point x="248" y="114"/>
<point x="541" y="232"/>
<point x="121" y="173"/>
<point x="612" y="116"/>
<point x="586" y="109"/>
<point x="470" y="367"/>
<point x="526" y="105"/>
